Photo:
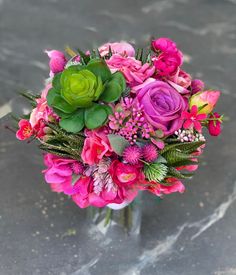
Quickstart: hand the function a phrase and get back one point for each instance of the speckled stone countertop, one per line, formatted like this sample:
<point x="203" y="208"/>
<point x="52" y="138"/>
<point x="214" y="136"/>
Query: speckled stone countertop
<point x="45" y="233"/>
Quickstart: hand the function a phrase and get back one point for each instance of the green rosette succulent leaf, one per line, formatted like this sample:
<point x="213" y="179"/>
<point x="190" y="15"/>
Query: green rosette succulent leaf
<point x="80" y="94"/>
<point x="80" y="88"/>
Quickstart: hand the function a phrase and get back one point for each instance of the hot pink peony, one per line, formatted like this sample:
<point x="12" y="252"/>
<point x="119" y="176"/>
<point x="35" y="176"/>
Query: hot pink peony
<point x="125" y="174"/>
<point x="96" y="146"/>
<point x="133" y="70"/>
<point x="163" y="106"/>
<point x="122" y="48"/>
<point x="59" y="173"/>
<point x="57" y="61"/>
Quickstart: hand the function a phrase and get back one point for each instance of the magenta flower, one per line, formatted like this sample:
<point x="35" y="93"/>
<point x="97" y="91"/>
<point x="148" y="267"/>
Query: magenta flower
<point x="197" y="85"/>
<point x="57" y="61"/>
<point x="192" y="119"/>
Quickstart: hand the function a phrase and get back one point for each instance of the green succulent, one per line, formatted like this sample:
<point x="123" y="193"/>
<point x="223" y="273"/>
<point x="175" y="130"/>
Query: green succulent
<point x="80" y="94"/>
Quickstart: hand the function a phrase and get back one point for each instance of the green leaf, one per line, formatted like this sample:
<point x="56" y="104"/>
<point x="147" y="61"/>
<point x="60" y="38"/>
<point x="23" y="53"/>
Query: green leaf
<point x="95" y="116"/>
<point x="114" y="88"/>
<point x="55" y="100"/>
<point x="160" y="159"/>
<point x="118" y="143"/>
<point x="187" y="147"/>
<point x="84" y="57"/>
<point x="175" y="157"/>
<point x="99" y="68"/>
<point x="56" y="81"/>
<point x="111" y="93"/>
<point x="74" y="123"/>
<point x="172" y="172"/>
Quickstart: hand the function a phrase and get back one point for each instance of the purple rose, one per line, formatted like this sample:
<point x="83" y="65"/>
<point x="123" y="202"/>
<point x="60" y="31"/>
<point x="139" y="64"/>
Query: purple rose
<point x="163" y="106"/>
<point x="197" y="85"/>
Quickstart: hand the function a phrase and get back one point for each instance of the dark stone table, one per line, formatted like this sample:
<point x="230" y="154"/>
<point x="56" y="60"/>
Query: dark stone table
<point x="45" y="233"/>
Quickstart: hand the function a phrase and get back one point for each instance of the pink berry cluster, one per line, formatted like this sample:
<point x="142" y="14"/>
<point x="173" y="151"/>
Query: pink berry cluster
<point x="129" y="121"/>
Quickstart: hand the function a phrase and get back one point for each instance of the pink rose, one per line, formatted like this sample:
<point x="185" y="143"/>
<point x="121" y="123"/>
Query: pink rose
<point x="164" y="44"/>
<point x="59" y="173"/>
<point x="57" y="61"/>
<point x="163" y="106"/>
<point x="122" y="48"/>
<point x="214" y="126"/>
<point x="96" y="146"/>
<point x="133" y="70"/>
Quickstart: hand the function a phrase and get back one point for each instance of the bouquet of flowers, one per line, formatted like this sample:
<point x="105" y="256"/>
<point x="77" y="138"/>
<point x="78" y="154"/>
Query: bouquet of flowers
<point x="118" y="120"/>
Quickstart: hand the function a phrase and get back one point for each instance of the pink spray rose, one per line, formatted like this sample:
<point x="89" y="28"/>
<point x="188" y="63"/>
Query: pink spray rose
<point x="197" y="85"/>
<point x="57" y="61"/>
<point x="208" y="98"/>
<point x="96" y="146"/>
<point x="133" y="70"/>
<point x="164" y="44"/>
<point x="163" y="106"/>
<point x="167" y="64"/>
<point x="182" y="79"/>
<point x="122" y="48"/>
<point x="214" y="126"/>
<point x="59" y="173"/>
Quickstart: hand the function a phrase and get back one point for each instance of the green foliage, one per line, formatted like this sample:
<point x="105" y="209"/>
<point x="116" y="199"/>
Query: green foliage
<point x="78" y="88"/>
<point x="95" y="116"/>
<point x="186" y="147"/>
<point x="155" y="171"/>
<point x="62" y="143"/>
<point x="179" y="154"/>
<point x="118" y="143"/>
<point x="172" y="172"/>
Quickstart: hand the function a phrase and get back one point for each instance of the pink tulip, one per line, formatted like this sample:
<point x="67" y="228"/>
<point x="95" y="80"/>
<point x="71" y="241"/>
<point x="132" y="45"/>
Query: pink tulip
<point x="57" y="61"/>
<point x="208" y="98"/>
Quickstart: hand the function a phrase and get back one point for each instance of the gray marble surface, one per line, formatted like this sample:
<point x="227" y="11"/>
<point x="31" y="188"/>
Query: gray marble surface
<point x="45" y="233"/>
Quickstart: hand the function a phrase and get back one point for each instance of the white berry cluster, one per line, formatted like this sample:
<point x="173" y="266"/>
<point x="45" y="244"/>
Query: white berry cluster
<point x="189" y="135"/>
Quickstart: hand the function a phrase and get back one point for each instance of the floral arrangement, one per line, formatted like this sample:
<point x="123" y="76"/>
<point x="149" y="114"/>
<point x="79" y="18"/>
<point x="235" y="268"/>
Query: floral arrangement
<point x="118" y="120"/>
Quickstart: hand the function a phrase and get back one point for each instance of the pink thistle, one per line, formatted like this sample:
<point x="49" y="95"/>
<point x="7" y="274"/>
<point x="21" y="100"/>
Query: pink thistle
<point x="78" y="168"/>
<point x="192" y="119"/>
<point x="132" y="154"/>
<point x="150" y="152"/>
